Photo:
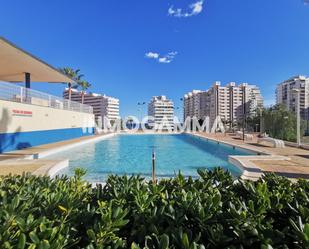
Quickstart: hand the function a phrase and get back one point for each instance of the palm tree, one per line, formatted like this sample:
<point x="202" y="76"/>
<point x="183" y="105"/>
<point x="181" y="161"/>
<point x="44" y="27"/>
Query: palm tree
<point x="74" y="75"/>
<point x="84" y="86"/>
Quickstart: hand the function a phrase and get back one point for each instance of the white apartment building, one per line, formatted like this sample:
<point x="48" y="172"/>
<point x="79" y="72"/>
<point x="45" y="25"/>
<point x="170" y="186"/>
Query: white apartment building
<point x="286" y="96"/>
<point x="230" y="102"/>
<point x="103" y="106"/>
<point x="162" y="110"/>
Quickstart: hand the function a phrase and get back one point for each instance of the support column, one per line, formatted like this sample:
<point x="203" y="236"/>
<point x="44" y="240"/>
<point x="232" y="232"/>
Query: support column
<point x="27" y="80"/>
<point x="70" y="95"/>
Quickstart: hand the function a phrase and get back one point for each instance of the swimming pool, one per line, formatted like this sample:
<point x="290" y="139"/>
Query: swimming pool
<point x="132" y="154"/>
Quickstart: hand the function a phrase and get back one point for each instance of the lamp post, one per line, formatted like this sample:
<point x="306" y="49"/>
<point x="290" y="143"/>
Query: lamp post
<point x="284" y="120"/>
<point x="183" y="109"/>
<point x="176" y="108"/>
<point x="244" y="111"/>
<point x="261" y="121"/>
<point x="140" y="104"/>
<point x="297" y="92"/>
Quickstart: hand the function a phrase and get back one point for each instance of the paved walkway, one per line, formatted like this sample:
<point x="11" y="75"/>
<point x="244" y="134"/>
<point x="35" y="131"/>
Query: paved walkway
<point x="297" y="165"/>
<point x="36" y="167"/>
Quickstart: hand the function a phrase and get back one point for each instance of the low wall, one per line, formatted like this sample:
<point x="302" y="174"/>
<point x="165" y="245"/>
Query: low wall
<point x="25" y="125"/>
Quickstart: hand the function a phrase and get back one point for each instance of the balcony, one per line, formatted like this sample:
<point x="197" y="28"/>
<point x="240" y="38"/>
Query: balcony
<point x="15" y="93"/>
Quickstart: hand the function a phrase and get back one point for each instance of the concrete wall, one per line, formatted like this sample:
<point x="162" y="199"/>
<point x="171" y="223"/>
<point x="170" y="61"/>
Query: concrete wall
<point x="24" y="125"/>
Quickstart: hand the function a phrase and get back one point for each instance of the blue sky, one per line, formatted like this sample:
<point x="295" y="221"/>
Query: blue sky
<point x="258" y="41"/>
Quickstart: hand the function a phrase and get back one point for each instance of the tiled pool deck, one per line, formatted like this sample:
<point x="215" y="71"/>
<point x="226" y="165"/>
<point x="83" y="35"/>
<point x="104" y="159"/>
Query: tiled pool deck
<point x="291" y="162"/>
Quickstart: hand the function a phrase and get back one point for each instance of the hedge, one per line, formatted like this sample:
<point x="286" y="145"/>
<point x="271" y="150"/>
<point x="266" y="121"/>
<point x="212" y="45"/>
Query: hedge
<point x="212" y="211"/>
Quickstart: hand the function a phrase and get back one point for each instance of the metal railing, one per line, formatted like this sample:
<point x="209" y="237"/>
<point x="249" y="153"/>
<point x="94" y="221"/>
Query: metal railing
<point x="15" y="93"/>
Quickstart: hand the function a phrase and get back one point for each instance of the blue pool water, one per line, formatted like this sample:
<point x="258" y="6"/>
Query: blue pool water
<point x="131" y="154"/>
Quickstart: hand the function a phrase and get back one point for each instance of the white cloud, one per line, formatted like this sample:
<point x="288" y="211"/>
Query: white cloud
<point x="195" y="9"/>
<point x="168" y="58"/>
<point x="152" y="55"/>
<point x="174" y="12"/>
<point x="164" y="60"/>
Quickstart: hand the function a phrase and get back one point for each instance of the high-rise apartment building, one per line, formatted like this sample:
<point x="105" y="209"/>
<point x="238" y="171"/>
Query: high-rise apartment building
<point x="103" y="106"/>
<point x="229" y="102"/>
<point x="162" y="111"/>
<point x="286" y="96"/>
<point x="194" y="104"/>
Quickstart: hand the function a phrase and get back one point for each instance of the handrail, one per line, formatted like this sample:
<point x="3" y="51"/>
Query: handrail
<point x="15" y="93"/>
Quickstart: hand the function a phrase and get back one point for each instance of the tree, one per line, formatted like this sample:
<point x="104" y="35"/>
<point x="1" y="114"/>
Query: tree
<point x="280" y="123"/>
<point x="253" y="122"/>
<point x="74" y="75"/>
<point x="84" y="85"/>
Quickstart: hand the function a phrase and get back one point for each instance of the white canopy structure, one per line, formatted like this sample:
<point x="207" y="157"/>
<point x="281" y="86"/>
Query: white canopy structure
<point x="17" y="65"/>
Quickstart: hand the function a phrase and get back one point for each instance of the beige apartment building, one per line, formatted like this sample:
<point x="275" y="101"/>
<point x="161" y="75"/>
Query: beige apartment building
<point x="193" y="103"/>
<point x="229" y="102"/>
<point x="103" y="106"/>
<point x="286" y="96"/>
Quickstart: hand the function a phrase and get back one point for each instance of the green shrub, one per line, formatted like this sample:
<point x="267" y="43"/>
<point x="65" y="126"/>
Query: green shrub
<point x="212" y="211"/>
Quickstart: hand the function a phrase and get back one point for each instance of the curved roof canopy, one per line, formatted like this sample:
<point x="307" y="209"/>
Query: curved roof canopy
<point x="15" y="62"/>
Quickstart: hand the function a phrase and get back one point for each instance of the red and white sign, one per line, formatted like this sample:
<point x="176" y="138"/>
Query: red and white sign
<point x="22" y="113"/>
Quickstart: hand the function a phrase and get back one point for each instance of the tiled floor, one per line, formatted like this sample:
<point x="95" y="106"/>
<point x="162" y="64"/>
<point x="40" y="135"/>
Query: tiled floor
<point x="17" y="167"/>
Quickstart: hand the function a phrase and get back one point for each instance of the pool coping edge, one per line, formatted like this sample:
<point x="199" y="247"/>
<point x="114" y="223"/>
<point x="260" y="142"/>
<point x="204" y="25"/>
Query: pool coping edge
<point x="250" y="171"/>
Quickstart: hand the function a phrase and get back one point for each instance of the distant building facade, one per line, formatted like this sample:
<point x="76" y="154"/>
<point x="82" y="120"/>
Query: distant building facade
<point x="229" y="102"/>
<point x="195" y="104"/>
<point x="103" y="106"/>
<point x="286" y="96"/>
<point x="162" y="111"/>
